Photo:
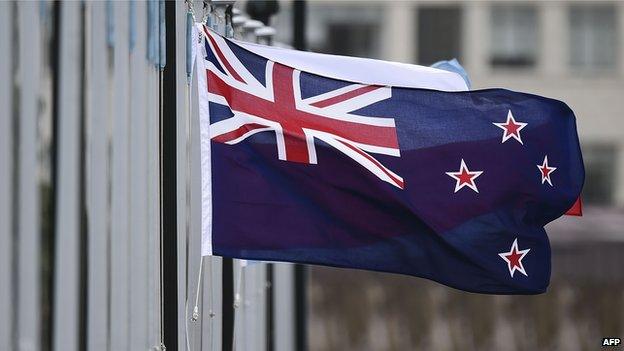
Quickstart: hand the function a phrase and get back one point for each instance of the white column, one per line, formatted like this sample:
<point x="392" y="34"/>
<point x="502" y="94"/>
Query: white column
<point x="284" y="306"/>
<point x="6" y="178"/>
<point x="138" y="241"/>
<point x="250" y="309"/>
<point x="398" y="21"/>
<point x="261" y="316"/>
<point x="476" y="39"/>
<point x="28" y="219"/>
<point x="120" y="234"/>
<point x="211" y="304"/>
<point x="68" y="211"/>
<point x="97" y="182"/>
<point x="240" y="287"/>
<point x="553" y="43"/>
<point x="154" y="210"/>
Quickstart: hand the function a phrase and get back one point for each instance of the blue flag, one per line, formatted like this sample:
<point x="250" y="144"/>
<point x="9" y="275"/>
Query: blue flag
<point x="452" y="186"/>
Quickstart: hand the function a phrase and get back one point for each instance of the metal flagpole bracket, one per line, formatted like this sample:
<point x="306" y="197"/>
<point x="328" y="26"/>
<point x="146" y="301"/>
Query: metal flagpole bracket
<point x="190" y="8"/>
<point x="222" y="19"/>
<point x="237" y="24"/>
<point x="207" y="19"/>
<point x="265" y="35"/>
<point x="249" y="29"/>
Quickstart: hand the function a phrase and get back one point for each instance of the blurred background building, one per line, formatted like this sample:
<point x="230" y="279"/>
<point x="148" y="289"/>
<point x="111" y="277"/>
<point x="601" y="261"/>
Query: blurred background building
<point x="568" y="50"/>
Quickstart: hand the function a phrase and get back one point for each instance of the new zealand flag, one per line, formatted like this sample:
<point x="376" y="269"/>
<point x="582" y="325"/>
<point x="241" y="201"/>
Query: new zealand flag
<point x="455" y="187"/>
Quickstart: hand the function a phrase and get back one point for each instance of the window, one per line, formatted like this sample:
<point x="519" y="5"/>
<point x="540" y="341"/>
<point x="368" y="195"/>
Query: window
<point x="593" y="41"/>
<point x="600" y="166"/>
<point x="353" y="39"/>
<point x="345" y="28"/>
<point x="439" y="36"/>
<point x="514" y="36"/>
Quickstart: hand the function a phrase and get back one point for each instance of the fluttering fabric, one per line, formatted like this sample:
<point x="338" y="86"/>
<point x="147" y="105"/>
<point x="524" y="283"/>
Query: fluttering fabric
<point x="375" y="165"/>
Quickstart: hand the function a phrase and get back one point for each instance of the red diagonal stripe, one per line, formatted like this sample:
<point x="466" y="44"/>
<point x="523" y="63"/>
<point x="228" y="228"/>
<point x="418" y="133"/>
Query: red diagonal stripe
<point x="228" y="67"/>
<point x="396" y="180"/>
<point x="235" y="134"/>
<point x="345" y="96"/>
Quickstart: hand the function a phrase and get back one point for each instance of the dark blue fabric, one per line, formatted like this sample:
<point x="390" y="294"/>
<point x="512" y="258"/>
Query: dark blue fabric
<point x="256" y="67"/>
<point x="338" y="213"/>
<point x="212" y="57"/>
<point x="318" y="87"/>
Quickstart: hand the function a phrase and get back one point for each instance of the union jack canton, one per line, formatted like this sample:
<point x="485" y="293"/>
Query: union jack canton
<point x="277" y="106"/>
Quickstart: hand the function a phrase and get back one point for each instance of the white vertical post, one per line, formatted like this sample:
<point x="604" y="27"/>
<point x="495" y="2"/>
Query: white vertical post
<point x="138" y="184"/>
<point x="67" y="242"/>
<point x="260" y="329"/>
<point x="153" y="179"/>
<point x="6" y="177"/>
<point x="154" y="200"/>
<point x="119" y="186"/>
<point x="477" y="38"/>
<point x="240" y="271"/>
<point x="212" y="300"/>
<point x="284" y="306"/>
<point x="553" y="43"/>
<point x="399" y="21"/>
<point x="28" y="221"/>
<point x="98" y="210"/>
<point x="249" y="308"/>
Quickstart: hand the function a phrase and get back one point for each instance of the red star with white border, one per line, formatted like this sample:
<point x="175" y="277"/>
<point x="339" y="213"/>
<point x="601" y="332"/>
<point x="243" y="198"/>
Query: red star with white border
<point x="546" y="171"/>
<point x="514" y="257"/>
<point x="511" y="128"/>
<point x="465" y="177"/>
